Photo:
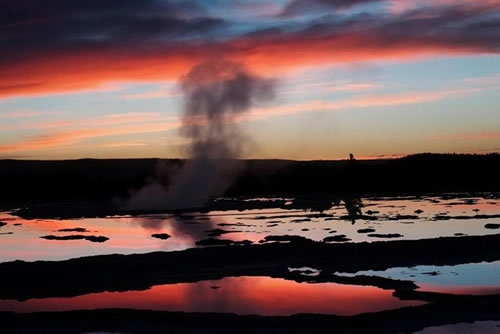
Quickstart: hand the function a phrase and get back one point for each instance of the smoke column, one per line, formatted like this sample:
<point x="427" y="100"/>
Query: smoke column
<point x="216" y="94"/>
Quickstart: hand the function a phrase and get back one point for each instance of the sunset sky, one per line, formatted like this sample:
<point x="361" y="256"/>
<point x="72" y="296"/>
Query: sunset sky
<point x="98" y="79"/>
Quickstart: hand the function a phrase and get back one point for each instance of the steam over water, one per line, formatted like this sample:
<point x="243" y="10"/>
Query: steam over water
<point x="216" y="95"/>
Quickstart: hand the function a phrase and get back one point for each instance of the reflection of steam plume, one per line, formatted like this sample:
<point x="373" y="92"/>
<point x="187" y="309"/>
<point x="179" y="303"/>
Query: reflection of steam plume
<point x="179" y="228"/>
<point x="215" y="94"/>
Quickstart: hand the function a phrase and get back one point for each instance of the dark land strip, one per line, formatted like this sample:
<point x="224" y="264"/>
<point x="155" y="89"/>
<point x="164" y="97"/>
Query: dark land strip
<point x="91" y="188"/>
<point x="141" y="271"/>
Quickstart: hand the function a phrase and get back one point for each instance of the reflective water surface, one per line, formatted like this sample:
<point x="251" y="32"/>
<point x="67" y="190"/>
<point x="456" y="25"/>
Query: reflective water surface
<point x="471" y="278"/>
<point x="240" y="295"/>
<point x="382" y="219"/>
<point x="376" y="219"/>
<point x="477" y="327"/>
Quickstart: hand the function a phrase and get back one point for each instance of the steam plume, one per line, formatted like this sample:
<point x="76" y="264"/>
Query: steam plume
<point x="216" y="94"/>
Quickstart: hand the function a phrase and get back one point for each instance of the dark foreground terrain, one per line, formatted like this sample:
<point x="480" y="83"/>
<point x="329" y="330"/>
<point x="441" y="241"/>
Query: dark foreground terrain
<point x="88" y="187"/>
<point x="38" y="190"/>
<point x="25" y="280"/>
<point x="26" y="181"/>
<point x="99" y="273"/>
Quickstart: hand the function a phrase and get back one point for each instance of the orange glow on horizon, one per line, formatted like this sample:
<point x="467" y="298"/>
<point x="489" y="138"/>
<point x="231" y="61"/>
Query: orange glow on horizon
<point x="134" y="123"/>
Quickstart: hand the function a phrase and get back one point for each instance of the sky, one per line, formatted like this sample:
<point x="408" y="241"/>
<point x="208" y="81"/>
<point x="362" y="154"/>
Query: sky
<point x="378" y="78"/>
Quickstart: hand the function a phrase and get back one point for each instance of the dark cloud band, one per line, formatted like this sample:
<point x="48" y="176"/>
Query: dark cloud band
<point x="58" y="45"/>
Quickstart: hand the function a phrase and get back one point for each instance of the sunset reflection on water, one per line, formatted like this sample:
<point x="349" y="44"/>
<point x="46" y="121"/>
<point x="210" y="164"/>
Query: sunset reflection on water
<point x="410" y="218"/>
<point x="240" y="295"/>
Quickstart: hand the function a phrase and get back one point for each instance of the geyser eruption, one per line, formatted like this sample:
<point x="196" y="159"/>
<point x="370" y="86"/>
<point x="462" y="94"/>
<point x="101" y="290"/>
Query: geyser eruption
<point x="216" y="95"/>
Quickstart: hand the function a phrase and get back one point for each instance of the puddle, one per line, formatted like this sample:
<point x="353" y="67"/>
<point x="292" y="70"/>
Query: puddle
<point x="240" y="295"/>
<point x="382" y="219"/>
<point x="477" y="327"/>
<point x="472" y="278"/>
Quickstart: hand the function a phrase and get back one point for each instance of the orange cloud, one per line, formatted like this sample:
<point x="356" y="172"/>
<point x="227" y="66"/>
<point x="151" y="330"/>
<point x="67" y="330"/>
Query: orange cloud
<point x="61" y="72"/>
<point x="125" y="144"/>
<point x="64" y="138"/>
<point x="105" y="121"/>
<point x="45" y="141"/>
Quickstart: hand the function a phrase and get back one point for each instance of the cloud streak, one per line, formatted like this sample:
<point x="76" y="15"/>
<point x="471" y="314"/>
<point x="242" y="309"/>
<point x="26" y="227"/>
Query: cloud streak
<point x="367" y="101"/>
<point x="63" y="46"/>
<point x="301" y="7"/>
<point x="68" y="137"/>
<point x="135" y="123"/>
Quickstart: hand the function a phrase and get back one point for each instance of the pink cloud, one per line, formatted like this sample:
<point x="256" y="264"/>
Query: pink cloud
<point x="136" y="123"/>
<point x="357" y="102"/>
<point x="152" y="95"/>
<point x="330" y="86"/>
<point x="20" y="114"/>
<point x="65" y="138"/>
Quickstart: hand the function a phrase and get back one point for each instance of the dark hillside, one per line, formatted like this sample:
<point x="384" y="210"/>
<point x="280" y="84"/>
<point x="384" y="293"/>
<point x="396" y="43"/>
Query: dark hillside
<point x="24" y="182"/>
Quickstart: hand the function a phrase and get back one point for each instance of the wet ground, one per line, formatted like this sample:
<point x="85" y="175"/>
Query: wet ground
<point x="329" y="284"/>
<point x="380" y="219"/>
